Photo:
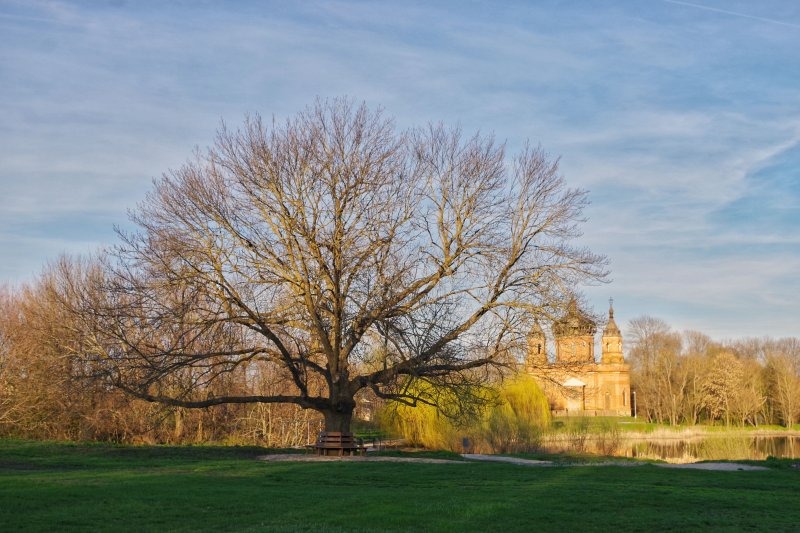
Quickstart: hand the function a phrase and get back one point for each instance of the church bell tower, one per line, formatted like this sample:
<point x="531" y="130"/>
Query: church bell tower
<point x="612" y="339"/>
<point x="537" y="347"/>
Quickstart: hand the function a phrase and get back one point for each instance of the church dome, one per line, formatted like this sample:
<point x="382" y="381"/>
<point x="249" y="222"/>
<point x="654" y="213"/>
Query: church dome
<point x="575" y="323"/>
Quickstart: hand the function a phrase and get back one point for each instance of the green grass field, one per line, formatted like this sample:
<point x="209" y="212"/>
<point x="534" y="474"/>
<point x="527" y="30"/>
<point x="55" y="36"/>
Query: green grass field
<point x="96" y="487"/>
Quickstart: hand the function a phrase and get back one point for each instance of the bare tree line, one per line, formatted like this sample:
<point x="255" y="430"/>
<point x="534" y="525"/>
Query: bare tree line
<point x="45" y="393"/>
<point x="687" y="378"/>
<point x="679" y="377"/>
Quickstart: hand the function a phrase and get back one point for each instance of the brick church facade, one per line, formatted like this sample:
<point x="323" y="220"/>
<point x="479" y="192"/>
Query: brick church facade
<point x="575" y="382"/>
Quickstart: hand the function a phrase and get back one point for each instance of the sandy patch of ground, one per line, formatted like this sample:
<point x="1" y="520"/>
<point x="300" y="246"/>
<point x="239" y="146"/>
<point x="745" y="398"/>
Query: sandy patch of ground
<point x="719" y="467"/>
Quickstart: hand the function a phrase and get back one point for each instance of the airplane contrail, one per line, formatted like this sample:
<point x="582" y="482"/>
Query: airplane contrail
<point x="733" y="13"/>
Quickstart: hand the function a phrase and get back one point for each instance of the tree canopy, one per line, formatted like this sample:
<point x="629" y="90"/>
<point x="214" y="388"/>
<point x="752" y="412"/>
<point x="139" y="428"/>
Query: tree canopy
<point x="338" y="252"/>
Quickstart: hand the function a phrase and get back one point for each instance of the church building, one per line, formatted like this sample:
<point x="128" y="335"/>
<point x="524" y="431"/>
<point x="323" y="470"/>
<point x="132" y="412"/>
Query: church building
<point x="575" y="382"/>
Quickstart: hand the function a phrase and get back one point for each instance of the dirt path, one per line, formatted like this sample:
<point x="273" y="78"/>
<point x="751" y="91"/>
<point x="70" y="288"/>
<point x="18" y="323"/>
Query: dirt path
<point x="504" y="459"/>
<point x="297" y="457"/>
<point x="718" y="467"/>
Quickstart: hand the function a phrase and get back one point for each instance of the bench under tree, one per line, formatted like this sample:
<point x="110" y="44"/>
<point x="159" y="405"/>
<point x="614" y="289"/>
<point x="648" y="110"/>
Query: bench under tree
<point x="338" y="443"/>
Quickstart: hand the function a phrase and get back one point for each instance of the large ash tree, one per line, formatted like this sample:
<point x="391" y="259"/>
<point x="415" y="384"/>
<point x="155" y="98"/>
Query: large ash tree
<point x="342" y="254"/>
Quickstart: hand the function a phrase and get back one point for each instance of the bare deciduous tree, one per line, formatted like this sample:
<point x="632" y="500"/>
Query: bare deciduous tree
<point x="782" y="375"/>
<point x="696" y="361"/>
<point x="345" y="254"/>
<point x="658" y="370"/>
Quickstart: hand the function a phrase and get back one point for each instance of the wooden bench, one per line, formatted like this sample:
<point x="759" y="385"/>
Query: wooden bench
<point x="338" y="443"/>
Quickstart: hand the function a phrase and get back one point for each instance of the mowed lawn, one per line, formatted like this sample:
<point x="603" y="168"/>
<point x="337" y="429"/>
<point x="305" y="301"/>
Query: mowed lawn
<point x="95" y="487"/>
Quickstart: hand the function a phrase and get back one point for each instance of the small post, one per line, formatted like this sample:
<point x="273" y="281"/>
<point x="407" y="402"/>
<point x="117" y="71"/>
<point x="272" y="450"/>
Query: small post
<point x="583" y="397"/>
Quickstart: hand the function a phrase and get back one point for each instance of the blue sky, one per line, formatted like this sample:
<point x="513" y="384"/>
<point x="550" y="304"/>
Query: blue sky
<point x="682" y="119"/>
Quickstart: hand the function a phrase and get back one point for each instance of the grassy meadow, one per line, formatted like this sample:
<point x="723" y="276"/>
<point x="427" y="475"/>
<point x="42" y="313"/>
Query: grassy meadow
<point x="99" y="487"/>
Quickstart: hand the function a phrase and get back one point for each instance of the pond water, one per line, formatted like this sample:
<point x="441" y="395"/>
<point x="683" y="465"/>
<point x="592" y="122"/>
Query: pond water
<point x="729" y="447"/>
<point x="684" y="449"/>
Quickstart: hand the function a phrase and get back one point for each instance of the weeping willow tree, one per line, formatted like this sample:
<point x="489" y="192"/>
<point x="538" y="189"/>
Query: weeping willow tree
<point x="507" y="417"/>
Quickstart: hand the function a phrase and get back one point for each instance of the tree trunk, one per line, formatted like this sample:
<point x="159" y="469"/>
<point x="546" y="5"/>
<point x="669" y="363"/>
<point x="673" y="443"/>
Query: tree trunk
<point x="339" y="416"/>
<point x="177" y="433"/>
